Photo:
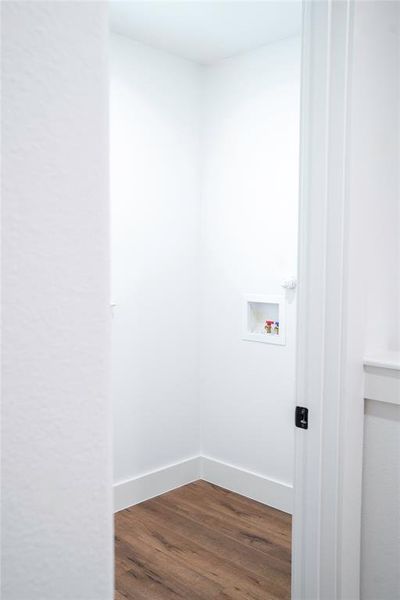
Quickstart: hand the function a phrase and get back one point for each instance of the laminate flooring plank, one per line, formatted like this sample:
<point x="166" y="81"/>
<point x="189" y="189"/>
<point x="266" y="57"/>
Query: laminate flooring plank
<point x="181" y="552"/>
<point x="224" y="546"/>
<point x="202" y="542"/>
<point x="251" y="531"/>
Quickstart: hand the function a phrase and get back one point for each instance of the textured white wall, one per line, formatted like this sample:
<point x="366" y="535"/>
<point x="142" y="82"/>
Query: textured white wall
<point x="249" y="245"/>
<point x="155" y="253"/>
<point x="56" y="504"/>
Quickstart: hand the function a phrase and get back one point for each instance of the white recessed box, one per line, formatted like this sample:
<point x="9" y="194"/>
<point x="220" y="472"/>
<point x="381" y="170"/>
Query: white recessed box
<point x="259" y="309"/>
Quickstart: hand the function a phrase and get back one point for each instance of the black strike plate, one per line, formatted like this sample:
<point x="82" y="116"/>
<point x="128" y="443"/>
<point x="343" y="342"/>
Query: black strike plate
<point x="301" y="417"/>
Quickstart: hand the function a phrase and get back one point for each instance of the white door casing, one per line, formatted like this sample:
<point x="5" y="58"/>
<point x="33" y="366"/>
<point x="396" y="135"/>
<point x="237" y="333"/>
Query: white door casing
<point x="328" y="456"/>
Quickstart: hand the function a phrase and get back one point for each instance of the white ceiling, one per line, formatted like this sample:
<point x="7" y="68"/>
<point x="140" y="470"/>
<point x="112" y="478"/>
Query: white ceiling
<point x="206" y="31"/>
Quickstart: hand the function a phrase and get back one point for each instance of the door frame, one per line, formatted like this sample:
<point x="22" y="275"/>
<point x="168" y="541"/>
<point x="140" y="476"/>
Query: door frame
<point x="329" y="373"/>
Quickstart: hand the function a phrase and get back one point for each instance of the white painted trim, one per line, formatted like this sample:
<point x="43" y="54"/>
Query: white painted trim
<point x="252" y="485"/>
<point x="382" y="384"/>
<point x="329" y="377"/>
<point x="384" y="360"/>
<point x="132" y="491"/>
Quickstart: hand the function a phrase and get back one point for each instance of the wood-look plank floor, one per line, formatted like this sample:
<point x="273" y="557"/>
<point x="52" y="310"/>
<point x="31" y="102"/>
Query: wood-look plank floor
<point x="202" y="542"/>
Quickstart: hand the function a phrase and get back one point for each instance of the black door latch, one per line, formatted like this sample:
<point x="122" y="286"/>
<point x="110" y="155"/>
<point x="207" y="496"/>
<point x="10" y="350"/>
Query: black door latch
<point x="301" y="417"/>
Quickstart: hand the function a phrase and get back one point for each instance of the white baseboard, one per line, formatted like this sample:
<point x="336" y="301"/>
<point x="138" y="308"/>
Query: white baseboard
<point x="130" y="492"/>
<point x="273" y="493"/>
<point x="268" y="491"/>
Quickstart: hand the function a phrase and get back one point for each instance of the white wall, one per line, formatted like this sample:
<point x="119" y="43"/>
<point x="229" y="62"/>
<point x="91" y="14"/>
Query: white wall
<point x="249" y="243"/>
<point x="56" y="481"/>
<point x="380" y="545"/>
<point x="155" y="249"/>
<point x="204" y="187"/>
<point x="375" y="277"/>
<point x="376" y="140"/>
